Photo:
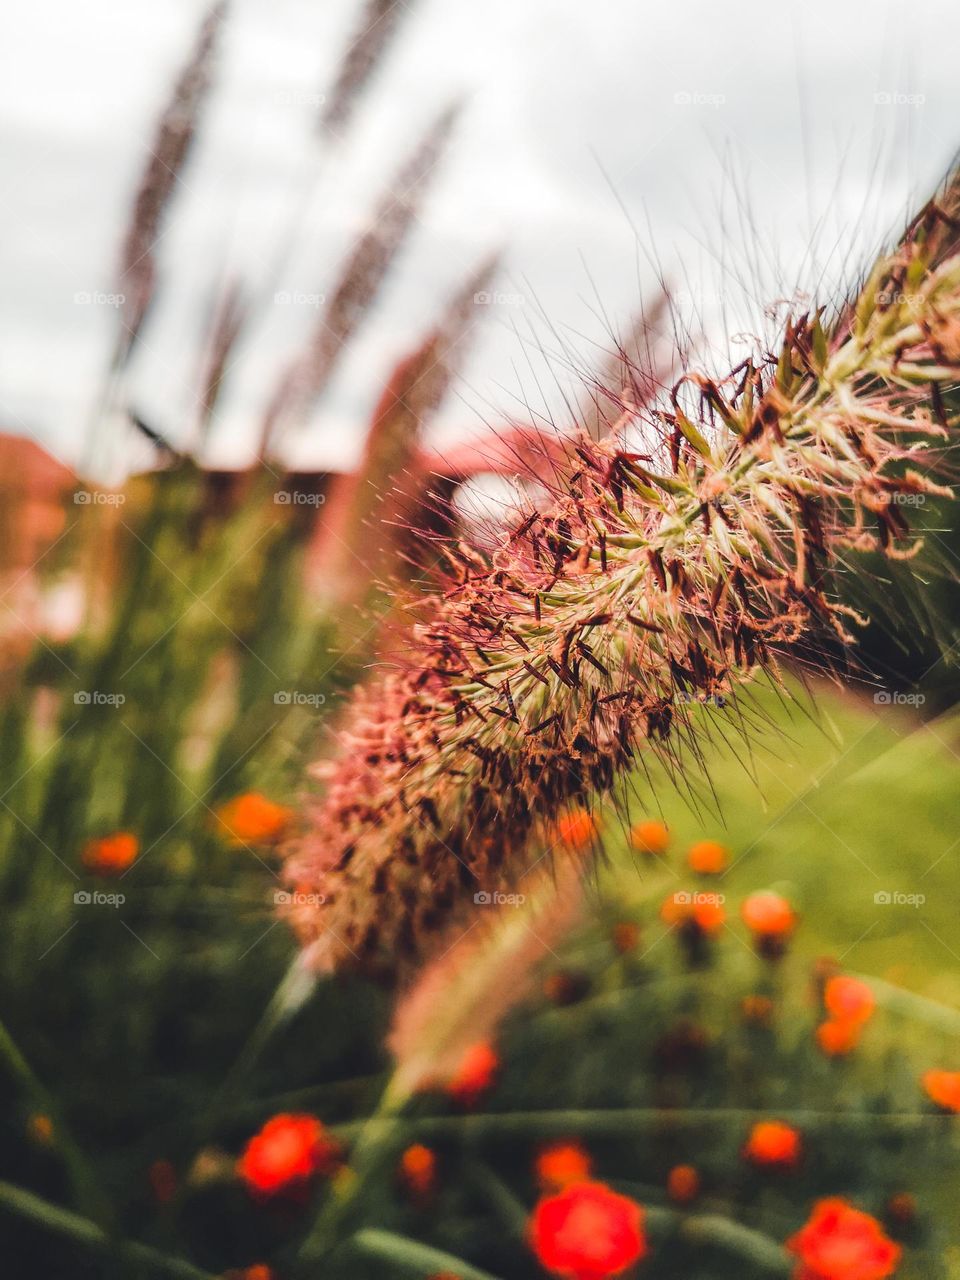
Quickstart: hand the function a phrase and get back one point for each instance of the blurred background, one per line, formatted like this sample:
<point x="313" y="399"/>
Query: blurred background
<point x="741" y="152"/>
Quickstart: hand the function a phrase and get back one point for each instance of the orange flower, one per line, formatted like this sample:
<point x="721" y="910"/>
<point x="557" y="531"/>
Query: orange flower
<point x="768" y="914"/>
<point x="288" y="1150"/>
<point x="587" y="1232"/>
<point x="702" y="911"/>
<point x="626" y="936"/>
<point x="418" y="1170"/>
<point x="708" y="857"/>
<point x="848" y="999"/>
<point x="578" y="828"/>
<point x="840" y="1242"/>
<point x="943" y="1088"/>
<point x="475" y="1075"/>
<point x="650" y="837"/>
<point x="109" y="855"/>
<point x="838" y="1036"/>
<point x="772" y="1142"/>
<point x="683" y="1184"/>
<point x="562" y="1164"/>
<point x="253" y="819"/>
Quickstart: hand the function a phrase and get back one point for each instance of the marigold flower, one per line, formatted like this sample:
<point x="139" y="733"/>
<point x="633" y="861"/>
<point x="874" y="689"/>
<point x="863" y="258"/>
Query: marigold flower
<point x="577" y="829"/>
<point x="651" y="836"/>
<point x="840" y="1242"/>
<point x="943" y="1088"/>
<point x="838" y="1036"/>
<point x="588" y="1232"/>
<point x="771" y="1142"/>
<point x="708" y="857"/>
<point x="768" y="914"/>
<point x="848" y="999"/>
<point x="289" y="1149"/>
<point x="418" y="1169"/>
<point x="109" y="855"/>
<point x="253" y="819"/>
<point x="475" y="1075"/>
<point x="683" y="1183"/>
<point x="562" y="1164"/>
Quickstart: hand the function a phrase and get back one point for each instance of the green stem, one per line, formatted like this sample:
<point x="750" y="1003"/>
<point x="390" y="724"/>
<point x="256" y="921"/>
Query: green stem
<point x="84" y="1231"/>
<point x="83" y="1180"/>
<point x="617" y="1121"/>
<point x="420" y="1259"/>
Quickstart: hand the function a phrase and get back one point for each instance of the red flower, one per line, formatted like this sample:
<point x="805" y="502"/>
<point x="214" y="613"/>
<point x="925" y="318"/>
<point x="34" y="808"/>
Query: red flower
<point x="943" y="1088"/>
<point x="253" y="819"/>
<point x="418" y="1170"/>
<point x="475" y="1075"/>
<point x="848" y="999"/>
<point x="587" y="1232"/>
<point x="842" y="1243"/>
<point x="771" y="1142"/>
<point x="683" y="1183"/>
<point x="288" y="1150"/>
<point x="562" y="1164"/>
<point x="112" y="854"/>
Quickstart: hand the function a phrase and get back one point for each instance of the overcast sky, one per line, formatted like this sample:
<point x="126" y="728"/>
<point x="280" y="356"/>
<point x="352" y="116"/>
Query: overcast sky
<point x="750" y="149"/>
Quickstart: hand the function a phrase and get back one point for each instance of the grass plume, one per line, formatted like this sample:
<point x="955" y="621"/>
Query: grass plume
<point x="653" y="578"/>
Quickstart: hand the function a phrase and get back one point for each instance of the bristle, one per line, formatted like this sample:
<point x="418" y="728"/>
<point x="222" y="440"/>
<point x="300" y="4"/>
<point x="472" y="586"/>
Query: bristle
<point x="798" y="458"/>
